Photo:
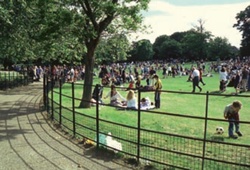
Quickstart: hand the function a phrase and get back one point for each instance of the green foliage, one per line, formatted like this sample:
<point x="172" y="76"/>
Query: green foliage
<point x="142" y="51"/>
<point x="170" y="49"/>
<point x="112" y="49"/>
<point x="219" y="48"/>
<point x="244" y="26"/>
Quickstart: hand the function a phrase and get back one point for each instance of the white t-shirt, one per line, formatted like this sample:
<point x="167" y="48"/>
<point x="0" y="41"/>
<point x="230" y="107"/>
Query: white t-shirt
<point x="132" y="103"/>
<point x="223" y="76"/>
<point x="196" y="73"/>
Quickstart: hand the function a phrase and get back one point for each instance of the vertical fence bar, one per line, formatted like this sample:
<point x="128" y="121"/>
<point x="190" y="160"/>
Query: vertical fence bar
<point x="97" y="116"/>
<point x="8" y="79"/>
<point x="138" y="126"/>
<point x="44" y="90"/>
<point x="73" y="107"/>
<point x="205" y="132"/>
<point x="47" y="91"/>
<point x="52" y="97"/>
<point x="60" y="101"/>
<point x="5" y="79"/>
<point x="13" y="80"/>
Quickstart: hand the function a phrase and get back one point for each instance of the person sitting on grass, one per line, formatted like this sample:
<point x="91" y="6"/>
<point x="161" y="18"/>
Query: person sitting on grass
<point x="131" y="100"/>
<point x="97" y="94"/>
<point x="115" y="97"/>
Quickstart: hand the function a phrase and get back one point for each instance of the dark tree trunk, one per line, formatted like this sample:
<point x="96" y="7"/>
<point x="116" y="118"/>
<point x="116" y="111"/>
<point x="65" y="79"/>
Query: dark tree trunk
<point x="88" y="79"/>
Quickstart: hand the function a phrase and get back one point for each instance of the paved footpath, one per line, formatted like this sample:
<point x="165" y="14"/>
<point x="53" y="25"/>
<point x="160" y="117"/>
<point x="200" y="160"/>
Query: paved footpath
<point x="28" y="141"/>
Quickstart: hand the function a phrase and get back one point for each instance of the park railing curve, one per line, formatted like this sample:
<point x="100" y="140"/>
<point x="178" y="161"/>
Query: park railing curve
<point x="12" y="79"/>
<point x="151" y="143"/>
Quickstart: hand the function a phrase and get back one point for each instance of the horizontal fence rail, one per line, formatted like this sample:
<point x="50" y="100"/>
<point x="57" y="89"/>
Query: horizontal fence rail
<point x="177" y="144"/>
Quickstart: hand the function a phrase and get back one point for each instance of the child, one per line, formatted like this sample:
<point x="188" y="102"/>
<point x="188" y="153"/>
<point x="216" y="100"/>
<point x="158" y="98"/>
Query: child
<point x="231" y="112"/>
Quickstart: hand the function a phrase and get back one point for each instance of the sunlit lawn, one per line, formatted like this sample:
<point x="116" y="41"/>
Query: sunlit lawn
<point x="183" y="104"/>
<point x="173" y="107"/>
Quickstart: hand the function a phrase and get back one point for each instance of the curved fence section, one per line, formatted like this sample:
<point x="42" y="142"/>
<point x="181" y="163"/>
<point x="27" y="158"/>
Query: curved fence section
<point x="165" y="139"/>
<point x="12" y="79"/>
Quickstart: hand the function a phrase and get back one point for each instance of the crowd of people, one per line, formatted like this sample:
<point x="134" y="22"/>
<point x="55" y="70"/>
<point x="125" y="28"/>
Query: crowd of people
<point x="235" y="73"/>
<point x="130" y="75"/>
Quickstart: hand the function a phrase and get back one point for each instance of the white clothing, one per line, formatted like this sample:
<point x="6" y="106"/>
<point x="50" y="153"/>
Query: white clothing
<point x="132" y="103"/>
<point x="116" y="96"/>
<point x="223" y="76"/>
<point x="196" y="73"/>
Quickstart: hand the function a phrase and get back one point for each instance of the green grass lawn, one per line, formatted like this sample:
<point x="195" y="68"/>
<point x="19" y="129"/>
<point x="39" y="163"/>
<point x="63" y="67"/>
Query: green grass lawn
<point x="176" y="103"/>
<point x="184" y="104"/>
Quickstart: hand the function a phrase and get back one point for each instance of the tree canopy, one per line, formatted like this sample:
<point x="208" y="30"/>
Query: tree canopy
<point x="243" y="25"/>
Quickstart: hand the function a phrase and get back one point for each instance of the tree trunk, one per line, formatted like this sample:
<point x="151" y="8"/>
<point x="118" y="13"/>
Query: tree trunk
<point x="88" y="79"/>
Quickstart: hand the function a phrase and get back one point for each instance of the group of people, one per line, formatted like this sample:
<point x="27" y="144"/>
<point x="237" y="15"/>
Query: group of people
<point x="239" y="78"/>
<point x="130" y="102"/>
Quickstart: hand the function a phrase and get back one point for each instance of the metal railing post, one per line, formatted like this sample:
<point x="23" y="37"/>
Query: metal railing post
<point x="205" y="132"/>
<point x="97" y="117"/>
<point x="44" y="90"/>
<point x="60" y="101"/>
<point x="52" y="98"/>
<point x="73" y="107"/>
<point x="138" y="126"/>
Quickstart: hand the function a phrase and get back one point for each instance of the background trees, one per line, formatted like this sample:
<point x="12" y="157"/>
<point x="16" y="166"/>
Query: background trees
<point x="243" y="25"/>
<point x="95" y="31"/>
<point x="142" y="51"/>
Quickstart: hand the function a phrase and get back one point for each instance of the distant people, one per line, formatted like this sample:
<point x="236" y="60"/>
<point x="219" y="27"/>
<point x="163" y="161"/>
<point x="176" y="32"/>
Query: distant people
<point x="245" y="73"/>
<point x="138" y="82"/>
<point x="196" y="79"/>
<point x="164" y="72"/>
<point x="72" y="74"/>
<point x="201" y="79"/>
<point x="237" y="80"/>
<point x="83" y="72"/>
<point x="223" y="79"/>
<point x="152" y="72"/>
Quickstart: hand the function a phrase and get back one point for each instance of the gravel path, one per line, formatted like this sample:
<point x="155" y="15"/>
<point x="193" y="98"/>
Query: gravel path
<point x="29" y="141"/>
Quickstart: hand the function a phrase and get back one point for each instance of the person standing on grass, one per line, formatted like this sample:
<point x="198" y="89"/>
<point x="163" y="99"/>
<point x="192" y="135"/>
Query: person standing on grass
<point x="201" y="80"/>
<point x="237" y="82"/>
<point x="157" y="88"/>
<point x="245" y="73"/>
<point x="196" y="79"/>
<point x="231" y="112"/>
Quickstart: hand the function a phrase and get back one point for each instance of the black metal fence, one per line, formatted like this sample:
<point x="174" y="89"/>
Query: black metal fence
<point x="12" y="79"/>
<point x="155" y="144"/>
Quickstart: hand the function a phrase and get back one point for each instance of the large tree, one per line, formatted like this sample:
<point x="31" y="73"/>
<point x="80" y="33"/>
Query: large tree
<point x="243" y="25"/>
<point x="219" y="48"/>
<point x="157" y="45"/>
<point x="112" y="49"/>
<point x="142" y="51"/>
<point x="14" y="26"/>
<point x="101" y="17"/>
